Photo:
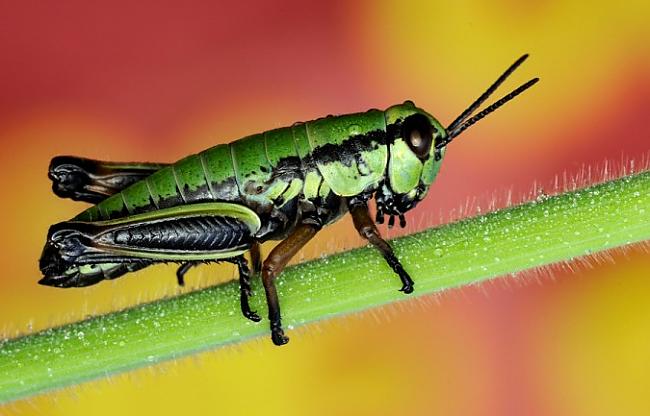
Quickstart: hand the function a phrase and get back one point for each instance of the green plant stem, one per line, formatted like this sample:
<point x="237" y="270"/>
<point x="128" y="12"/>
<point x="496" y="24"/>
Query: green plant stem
<point x="537" y="233"/>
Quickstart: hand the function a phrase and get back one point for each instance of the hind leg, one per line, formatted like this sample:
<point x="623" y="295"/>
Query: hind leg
<point x="92" y="181"/>
<point x="186" y="234"/>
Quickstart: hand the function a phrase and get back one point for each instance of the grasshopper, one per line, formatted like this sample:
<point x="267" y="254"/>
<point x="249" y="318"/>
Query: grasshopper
<point x="284" y="184"/>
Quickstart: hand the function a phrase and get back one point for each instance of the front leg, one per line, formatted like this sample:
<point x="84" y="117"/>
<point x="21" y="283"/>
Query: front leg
<point x="366" y="227"/>
<point x="273" y="265"/>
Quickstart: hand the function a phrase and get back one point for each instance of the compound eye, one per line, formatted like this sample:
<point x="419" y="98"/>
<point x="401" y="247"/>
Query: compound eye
<point x="417" y="132"/>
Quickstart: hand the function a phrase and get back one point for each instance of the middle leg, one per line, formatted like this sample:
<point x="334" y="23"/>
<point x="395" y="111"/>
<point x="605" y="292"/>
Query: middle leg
<point x="256" y="258"/>
<point x="273" y="265"/>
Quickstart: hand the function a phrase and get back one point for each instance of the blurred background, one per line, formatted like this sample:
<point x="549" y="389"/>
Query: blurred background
<point x="157" y="80"/>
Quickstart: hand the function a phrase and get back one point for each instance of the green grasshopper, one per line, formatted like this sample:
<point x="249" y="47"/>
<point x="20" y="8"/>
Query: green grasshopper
<point x="283" y="184"/>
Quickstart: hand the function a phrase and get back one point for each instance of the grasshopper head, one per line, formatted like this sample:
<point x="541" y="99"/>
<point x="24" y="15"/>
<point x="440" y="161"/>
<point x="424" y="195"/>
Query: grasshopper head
<point x="417" y="143"/>
<point x="414" y="160"/>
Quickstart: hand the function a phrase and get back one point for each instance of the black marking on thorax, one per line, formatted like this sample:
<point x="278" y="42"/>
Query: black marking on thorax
<point x="349" y="149"/>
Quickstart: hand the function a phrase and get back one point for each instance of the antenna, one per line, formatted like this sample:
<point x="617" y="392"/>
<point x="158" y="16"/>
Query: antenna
<point x="461" y="123"/>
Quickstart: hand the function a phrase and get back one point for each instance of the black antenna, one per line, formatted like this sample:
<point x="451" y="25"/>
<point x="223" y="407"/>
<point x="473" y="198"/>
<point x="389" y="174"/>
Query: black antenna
<point x="487" y="93"/>
<point x="460" y="124"/>
<point x="458" y="130"/>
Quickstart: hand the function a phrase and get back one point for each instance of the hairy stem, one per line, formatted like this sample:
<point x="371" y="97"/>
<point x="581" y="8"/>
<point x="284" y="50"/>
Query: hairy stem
<point x="537" y="233"/>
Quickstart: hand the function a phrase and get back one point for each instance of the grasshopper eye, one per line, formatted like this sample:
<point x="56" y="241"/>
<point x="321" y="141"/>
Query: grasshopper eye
<point x="417" y="132"/>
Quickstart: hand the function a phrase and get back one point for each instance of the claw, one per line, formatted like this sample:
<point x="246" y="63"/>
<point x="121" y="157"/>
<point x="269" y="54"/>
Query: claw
<point x="402" y="221"/>
<point x="407" y="289"/>
<point x="277" y="334"/>
<point x="253" y="316"/>
<point x="279" y="338"/>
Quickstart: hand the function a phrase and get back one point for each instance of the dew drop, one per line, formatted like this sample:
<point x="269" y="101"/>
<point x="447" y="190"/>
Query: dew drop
<point x="541" y="196"/>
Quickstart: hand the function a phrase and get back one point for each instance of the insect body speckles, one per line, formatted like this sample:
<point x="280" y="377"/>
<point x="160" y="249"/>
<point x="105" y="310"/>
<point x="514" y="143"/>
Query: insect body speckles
<point x="284" y="184"/>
